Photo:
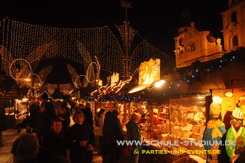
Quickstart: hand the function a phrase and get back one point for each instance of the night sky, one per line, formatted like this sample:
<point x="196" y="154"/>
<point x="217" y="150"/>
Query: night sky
<point x="156" y="21"/>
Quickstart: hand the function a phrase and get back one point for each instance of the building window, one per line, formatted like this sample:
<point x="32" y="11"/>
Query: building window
<point x="180" y="42"/>
<point x="193" y="47"/>
<point x="235" y="41"/>
<point x="233" y="17"/>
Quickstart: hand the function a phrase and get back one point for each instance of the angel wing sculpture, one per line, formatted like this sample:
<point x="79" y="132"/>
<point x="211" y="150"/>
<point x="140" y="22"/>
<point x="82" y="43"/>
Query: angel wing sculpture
<point x="21" y="68"/>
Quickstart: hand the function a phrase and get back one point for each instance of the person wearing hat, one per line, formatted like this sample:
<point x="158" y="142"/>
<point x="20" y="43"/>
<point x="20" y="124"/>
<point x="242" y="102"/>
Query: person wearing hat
<point x="236" y="134"/>
<point x="214" y="131"/>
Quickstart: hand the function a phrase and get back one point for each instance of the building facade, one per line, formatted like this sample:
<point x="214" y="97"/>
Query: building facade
<point x="234" y="25"/>
<point x="192" y="45"/>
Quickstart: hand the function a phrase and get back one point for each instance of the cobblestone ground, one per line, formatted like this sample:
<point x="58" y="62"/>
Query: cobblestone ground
<point x="9" y="137"/>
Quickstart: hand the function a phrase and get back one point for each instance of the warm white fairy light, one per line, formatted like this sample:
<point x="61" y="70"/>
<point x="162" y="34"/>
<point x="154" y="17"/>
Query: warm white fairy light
<point x="6" y="58"/>
<point x="44" y="72"/>
<point x="78" y="45"/>
<point x="22" y="72"/>
<point x="77" y="81"/>
<point x="132" y="33"/>
<point x="73" y="73"/>
<point x="34" y="81"/>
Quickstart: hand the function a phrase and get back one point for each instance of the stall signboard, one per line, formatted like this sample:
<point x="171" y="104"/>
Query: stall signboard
<point x="114" y="78"/>
<point x="149" y="71"/>
<point x="100" y="83"/>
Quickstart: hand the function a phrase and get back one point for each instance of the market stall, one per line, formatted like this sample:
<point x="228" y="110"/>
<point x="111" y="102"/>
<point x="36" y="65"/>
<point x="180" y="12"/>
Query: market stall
<point x="161" y="119"/>
<point x="231" y="98"/>
<point x="188" y="122"/>
<point x="7" y="102"/>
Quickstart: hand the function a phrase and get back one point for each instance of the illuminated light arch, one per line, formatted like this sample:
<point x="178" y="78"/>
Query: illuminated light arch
<point x="75" y="82"/>
<point x="39" y="83"/>
<point x="23" y="71"/>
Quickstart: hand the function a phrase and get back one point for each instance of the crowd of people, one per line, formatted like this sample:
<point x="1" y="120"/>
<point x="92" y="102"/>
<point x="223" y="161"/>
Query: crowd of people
<point x="51" y="137"/>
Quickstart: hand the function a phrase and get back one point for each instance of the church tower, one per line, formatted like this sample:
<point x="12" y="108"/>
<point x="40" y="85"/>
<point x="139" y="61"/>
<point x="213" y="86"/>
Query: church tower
<point x="234" y="25"/>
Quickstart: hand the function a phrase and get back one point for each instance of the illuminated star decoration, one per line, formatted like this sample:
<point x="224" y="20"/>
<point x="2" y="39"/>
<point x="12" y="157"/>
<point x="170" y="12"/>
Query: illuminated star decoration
<point x="126" y="4"/>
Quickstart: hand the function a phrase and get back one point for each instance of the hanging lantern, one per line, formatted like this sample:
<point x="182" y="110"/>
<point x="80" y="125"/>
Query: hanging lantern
<point x="217" y="99"/>
<point x="228" y="94"/>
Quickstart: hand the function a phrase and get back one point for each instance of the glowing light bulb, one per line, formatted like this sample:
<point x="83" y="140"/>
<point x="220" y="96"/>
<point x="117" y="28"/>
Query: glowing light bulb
<point x="159" y="83"/>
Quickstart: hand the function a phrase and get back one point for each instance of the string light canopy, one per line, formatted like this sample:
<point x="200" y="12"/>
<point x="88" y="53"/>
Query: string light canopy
<point x="34" y="43"/>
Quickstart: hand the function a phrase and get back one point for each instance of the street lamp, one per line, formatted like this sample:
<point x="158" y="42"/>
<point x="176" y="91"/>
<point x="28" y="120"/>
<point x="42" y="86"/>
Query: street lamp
<point x="156" y="84"/>
<point x="27" y="79"/>
<point x="139" y="88"/>
<point x="159" y="83"/>
<point x="24" y="99"/>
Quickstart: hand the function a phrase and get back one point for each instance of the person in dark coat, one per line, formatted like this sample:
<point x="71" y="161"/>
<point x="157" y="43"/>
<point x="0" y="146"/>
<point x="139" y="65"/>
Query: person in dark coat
<point x="43" y="123"/>
<point x="64" y="117"/>
<point x="81" y="140"/>
<point x="3" y="125"/>
<point x="55" y="139"/>
<point x="133" y="132"/>
<point x="34" y="108"/>
<point x="112" y="132"/>
<point x="50" y="108"/>
<point x="88" y="115"/>
<point x="107" y="115"/>
<point x="25" y="149"/>
<point x="101" y="117"/>
<point x="104" y="146"/>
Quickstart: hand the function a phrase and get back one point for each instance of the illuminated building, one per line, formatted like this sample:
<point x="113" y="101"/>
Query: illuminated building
<point x="234" y="25"/>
